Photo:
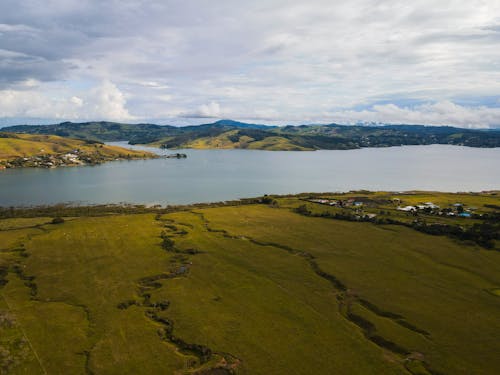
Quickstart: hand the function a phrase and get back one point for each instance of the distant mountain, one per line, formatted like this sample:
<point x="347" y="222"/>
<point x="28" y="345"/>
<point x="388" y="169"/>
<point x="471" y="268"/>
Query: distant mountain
<point x="234" y="134"/>
<point x="242" y="125"/>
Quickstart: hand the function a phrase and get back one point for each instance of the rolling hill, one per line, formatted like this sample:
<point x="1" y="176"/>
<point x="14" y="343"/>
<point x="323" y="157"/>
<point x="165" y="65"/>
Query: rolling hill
<point x="40" y="150"/>
<point x="233" y="134"/>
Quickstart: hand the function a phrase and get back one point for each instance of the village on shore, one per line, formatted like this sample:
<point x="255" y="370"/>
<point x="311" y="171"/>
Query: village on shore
<point x="429" y="208"/>
<point x="74" y="158"/>
<point x="71" y="159"/>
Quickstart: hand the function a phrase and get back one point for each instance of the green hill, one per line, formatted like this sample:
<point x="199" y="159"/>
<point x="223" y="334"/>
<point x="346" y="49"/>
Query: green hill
<point x="233" y="134"/>
<point x="22" y="150"/>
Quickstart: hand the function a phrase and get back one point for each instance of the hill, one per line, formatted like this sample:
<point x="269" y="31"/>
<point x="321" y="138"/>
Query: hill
<point x="233" y="134"/>
<point x="27" y="150"/>
<point x="249" y="288"/>
<point x="101" y="131"/>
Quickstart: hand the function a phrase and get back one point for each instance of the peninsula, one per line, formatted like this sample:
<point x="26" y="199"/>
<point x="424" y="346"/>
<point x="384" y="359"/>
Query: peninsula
<point x="50" y="151"/>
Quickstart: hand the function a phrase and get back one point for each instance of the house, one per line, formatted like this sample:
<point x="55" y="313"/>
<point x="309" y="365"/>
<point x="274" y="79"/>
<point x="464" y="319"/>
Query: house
<point x="407" y="208"/>
<point x="357" y="204"/>
<point x="320" y="201"/>
<point x="348" y="202"/>
<point x="431" y="205"/>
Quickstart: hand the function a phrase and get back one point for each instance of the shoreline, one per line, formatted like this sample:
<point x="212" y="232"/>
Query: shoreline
<point x="51" y="151"/>
<point x="156" y="207"/>
<point x="59" y="161"/>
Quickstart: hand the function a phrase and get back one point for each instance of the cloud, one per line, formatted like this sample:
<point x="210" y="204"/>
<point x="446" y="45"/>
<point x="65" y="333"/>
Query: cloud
<point x="440" y="113"/>
<point x="107" y="101"/>
<point x="210" y="110"/>
<point x="102" y="101"/>
<point x="76" y="101"/>
<point x="277" y="59"/>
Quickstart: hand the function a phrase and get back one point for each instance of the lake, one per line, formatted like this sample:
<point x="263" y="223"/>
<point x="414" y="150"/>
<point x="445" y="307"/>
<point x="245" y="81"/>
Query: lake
<point x="217" y="175"/>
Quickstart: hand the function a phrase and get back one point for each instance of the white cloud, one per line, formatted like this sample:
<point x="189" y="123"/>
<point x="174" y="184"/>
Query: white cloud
<point x="76" y="101"/>
<point x="164" y="97"/>
<point x="108" y="102"/>
<point x="8" y="28"/>
<point x="154" y="85"/>
<point x="210" y="110"/>
<point x="440" y="113"/>
<point x="103" y="101"/>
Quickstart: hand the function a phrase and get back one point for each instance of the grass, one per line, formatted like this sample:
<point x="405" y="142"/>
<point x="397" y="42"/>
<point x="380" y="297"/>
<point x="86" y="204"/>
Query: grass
<point x="22" y="223"/>
<point x="231" y="139"/>
<point x="277" y="144"/>
<point x="432" y="282"/>
<point x="26" y="145"/>
<point x="246" y="289"/>
<point x="249" y="298"/>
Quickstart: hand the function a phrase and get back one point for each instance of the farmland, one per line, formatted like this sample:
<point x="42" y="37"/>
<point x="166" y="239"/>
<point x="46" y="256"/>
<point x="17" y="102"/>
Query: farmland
<point x="253" y="288"/>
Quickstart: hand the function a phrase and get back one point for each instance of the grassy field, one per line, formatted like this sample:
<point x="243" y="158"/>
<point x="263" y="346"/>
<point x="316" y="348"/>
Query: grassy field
<point x="250" y="289"/>
<point x="26" y="145"/>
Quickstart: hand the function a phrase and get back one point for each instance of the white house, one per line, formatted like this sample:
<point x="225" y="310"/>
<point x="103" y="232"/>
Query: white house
<point x="407" y="208"/>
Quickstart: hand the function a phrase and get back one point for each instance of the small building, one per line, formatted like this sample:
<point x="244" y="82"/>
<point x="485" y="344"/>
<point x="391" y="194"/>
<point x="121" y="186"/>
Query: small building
<point x="320" y="201"/>
<point x="431" y="205"/>
<point x="407" y="208"/>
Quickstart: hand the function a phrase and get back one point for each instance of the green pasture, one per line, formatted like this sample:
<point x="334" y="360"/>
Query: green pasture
<point x="250" y="289"/>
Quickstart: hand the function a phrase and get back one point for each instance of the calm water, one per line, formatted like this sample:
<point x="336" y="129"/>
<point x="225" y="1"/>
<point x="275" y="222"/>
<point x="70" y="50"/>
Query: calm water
<point x="216" y="175"/>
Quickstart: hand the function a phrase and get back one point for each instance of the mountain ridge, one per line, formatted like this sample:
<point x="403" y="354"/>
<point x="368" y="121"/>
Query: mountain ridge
<point x="234" y="134"/>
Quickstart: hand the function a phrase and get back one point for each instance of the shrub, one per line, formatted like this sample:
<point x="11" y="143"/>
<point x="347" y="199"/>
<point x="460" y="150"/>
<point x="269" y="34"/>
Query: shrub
<point x="57" y="220"/>
<point x="302" y="210"/>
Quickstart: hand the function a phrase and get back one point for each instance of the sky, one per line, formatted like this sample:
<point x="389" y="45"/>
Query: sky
<point x="274" y="62"/>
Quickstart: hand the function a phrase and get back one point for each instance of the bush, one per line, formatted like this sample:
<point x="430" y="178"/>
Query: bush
<point x="167" y="243"/>
<point x="302" y="210"/>
<point x="57" y="220"/>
